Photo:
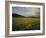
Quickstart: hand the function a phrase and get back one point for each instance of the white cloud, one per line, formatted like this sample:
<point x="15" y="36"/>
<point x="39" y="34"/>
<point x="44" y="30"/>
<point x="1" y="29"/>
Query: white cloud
<point x="35" y="12"/>
<point x="27" y="11"/>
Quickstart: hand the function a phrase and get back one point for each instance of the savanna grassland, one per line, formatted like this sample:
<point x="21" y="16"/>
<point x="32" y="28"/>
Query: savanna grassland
<point x="21" y="23"/>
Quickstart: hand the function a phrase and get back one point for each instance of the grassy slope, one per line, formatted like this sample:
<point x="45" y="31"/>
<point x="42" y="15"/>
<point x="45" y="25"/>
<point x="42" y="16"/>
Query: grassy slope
<point x="25" y="23"/>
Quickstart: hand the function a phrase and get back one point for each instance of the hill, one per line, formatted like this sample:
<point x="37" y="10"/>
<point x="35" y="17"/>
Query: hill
<point x="17" y="15"/>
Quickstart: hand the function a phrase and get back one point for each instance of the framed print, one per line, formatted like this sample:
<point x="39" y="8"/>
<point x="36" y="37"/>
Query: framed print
<point x="24" y="18"/>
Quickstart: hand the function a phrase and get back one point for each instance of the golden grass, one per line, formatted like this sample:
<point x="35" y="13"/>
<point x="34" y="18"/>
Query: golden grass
<point x="25" y="23"/>
<point x="25" y="20"/>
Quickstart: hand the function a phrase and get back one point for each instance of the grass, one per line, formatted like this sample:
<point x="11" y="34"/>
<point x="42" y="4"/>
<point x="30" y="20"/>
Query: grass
<point x="25" y="24"/>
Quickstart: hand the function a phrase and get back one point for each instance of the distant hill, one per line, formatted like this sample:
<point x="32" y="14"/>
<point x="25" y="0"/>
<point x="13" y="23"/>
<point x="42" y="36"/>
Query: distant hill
<point x="16" y="15"/>
<point x="33" y="17"/>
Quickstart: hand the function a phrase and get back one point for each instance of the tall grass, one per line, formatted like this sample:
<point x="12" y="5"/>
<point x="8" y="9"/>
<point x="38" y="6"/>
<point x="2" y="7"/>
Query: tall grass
<point x="25" y="24"/>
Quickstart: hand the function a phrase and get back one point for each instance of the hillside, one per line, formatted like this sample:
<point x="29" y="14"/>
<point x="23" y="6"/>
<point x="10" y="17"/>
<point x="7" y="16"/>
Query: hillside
<point x="17" y="15"/>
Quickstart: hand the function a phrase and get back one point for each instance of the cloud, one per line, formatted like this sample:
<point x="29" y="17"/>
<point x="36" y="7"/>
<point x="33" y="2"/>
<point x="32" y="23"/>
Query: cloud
<point x="36" y="12"/>
<point x="26" y="11"/>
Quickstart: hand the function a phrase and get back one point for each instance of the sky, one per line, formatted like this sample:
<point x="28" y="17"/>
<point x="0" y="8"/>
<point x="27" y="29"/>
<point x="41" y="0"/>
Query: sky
<point x="26" y="11"/>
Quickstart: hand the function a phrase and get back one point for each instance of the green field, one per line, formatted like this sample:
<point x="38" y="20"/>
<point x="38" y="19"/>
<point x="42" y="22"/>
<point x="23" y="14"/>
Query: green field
<point x="25" y="24"/>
